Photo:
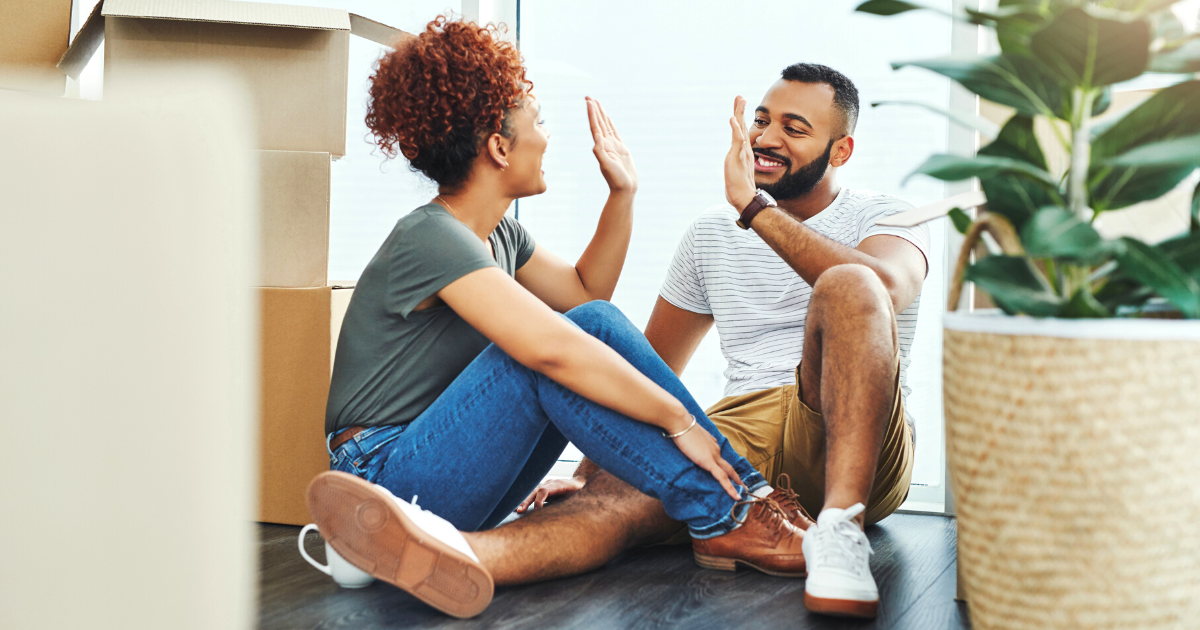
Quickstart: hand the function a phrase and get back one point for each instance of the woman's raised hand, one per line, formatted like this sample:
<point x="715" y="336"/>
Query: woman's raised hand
<point x="702" y="448"/>
<point x="616" y="163"/>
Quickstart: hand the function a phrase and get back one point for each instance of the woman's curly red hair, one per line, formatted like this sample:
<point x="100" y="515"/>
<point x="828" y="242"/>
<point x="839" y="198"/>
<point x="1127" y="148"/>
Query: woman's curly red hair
<point x="435" y="98"/>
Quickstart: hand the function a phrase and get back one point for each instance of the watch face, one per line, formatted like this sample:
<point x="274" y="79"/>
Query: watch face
<point x="767" y="197"/>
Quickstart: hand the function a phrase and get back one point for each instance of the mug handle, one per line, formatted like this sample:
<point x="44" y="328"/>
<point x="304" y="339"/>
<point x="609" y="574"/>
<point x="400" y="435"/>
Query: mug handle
<point x="323" y="568"/>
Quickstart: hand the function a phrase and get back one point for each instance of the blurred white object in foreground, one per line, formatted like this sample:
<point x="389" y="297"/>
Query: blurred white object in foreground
<point x="127" y="358"/>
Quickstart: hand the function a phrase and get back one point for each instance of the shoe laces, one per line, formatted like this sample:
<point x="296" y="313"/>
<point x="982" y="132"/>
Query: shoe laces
<point x="771" y="515"/>
<point x="789" y="500"/>
<point x="840" y="543"/>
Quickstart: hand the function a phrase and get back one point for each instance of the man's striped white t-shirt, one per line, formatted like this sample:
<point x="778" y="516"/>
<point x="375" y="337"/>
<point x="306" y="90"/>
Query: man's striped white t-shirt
<point x="758" y="301"/>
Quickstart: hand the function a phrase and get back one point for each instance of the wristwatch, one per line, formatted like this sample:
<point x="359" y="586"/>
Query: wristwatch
<point x="761" y="200"/>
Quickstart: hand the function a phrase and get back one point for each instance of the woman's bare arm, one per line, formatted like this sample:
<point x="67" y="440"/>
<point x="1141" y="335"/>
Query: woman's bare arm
<point x="535" y="336"/>
<point x="594" y="276"/>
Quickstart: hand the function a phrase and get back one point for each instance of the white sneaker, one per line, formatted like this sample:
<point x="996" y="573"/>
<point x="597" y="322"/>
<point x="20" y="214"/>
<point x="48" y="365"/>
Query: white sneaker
<point x="400" y="543"/>
<point x="839" y="570"/>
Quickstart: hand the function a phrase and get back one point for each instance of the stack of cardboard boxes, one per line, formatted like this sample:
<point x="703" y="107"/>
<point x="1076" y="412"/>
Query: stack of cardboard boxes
<point x="293" y="63"/>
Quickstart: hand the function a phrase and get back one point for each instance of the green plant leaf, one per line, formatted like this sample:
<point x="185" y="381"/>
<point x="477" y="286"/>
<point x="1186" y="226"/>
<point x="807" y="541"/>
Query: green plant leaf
<point x="1031" y="16"/>
<point x="1123" y="291"/>
<point x="961" y="221"/>
<point x="1181" y="59"/>
<point x="890" y="7"/>
<point x="1103" y="101"/>
<point x="1086" y="51"/>
<point x="1015" y="197"/>
<point x="1017" y="140"/>
<point x="1014" y="285"/>
<point x="1082" y="306"/>
<point x="1184" y="251"/>
<point x="1174" y="152"/>
<point x="1014" y="24"/>
<point x="1056" y="233"/>
<point x="1195" y="229"/>
<point x="1127" y="185"/>
<point x="1008" y="79"/>
<point x="984" y="126"/>
<point x="1170" y="113"/>
<point x="1153" y="268"/>
<point x="952" y="168"/>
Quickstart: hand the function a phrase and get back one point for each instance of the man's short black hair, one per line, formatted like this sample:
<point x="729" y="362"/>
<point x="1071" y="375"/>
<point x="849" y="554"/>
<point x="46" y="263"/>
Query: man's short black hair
<point x="845" y="95"/>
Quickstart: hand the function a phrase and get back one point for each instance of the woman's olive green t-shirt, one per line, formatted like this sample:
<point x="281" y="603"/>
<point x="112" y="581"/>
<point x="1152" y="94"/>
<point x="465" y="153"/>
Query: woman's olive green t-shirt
<point x="391" y="361"/>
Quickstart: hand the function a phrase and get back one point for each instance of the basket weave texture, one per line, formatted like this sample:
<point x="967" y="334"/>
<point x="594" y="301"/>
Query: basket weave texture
<point x="1075" y="465"/>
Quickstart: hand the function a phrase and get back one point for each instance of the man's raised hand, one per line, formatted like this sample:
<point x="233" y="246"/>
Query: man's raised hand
<point x="739" y="162"/>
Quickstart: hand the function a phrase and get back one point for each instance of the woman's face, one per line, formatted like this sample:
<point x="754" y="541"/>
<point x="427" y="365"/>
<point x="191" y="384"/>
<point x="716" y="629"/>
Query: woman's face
<point x="524" y="176"/>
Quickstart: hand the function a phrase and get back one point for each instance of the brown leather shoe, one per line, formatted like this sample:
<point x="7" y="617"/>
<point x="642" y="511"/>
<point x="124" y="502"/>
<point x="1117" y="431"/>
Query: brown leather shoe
<point x="790" y="503"/>
<point x="765" y="540"/>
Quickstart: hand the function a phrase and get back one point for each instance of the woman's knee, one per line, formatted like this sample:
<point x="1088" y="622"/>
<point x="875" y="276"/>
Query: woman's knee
<point x="592" y="316"/>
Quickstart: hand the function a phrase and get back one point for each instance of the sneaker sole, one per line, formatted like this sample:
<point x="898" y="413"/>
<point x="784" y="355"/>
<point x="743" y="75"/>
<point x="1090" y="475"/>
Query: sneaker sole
<point x="364" y="525"/>
<point x="841" y="607"/>
<point x="718" y="563"/>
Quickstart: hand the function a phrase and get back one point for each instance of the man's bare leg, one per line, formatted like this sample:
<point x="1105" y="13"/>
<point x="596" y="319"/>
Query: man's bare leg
<point x="576" y="535"/>
<point x="848" y="375"/>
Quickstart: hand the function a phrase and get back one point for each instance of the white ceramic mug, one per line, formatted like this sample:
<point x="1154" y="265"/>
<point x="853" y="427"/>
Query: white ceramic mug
<point x="345" y="574"/>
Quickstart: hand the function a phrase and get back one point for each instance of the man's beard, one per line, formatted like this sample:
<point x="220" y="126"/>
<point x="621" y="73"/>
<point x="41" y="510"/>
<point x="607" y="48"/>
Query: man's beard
<point x="798" y="184"/>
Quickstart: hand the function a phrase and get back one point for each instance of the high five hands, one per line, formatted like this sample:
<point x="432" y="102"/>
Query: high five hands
<point x="739" y="162"/>
<point x="616" y="163"/>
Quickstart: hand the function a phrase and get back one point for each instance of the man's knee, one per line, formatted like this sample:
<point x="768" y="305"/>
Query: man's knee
<point x="850" y="290"/>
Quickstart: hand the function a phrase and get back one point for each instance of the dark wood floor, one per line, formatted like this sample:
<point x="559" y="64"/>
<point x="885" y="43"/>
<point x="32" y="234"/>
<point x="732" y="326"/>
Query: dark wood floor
<point x="658" y="587"/>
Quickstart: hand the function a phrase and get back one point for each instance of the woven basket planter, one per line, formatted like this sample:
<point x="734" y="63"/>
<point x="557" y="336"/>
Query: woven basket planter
<point x="1074" y="454"/>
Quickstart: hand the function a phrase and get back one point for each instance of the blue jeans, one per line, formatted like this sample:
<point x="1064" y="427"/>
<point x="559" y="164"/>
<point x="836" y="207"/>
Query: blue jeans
<point x="492" y="436"/>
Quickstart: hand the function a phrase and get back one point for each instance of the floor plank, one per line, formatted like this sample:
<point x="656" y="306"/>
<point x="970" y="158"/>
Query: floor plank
<point x="658" y="587"/>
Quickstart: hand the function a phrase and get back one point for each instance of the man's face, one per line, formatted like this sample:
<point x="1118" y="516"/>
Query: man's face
<point x="793" y="136"/>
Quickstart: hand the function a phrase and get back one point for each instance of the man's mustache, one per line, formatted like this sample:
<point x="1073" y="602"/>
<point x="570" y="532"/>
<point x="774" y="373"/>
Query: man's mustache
<point x="774" y="156"/>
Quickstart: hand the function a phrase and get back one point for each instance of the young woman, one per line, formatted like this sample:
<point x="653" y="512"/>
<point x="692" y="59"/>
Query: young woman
<point x="455" y="379"/>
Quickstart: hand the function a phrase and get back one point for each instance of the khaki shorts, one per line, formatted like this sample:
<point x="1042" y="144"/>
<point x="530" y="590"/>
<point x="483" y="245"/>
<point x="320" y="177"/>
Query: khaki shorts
<point x="777" y="433"/>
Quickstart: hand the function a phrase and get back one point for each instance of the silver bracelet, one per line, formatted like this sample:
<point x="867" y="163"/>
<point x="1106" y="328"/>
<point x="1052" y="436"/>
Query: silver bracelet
<point x="672" y="436"/>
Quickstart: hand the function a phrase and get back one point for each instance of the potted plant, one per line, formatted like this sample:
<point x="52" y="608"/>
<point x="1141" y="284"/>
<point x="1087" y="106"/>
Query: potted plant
<point x="1073" y="416"/>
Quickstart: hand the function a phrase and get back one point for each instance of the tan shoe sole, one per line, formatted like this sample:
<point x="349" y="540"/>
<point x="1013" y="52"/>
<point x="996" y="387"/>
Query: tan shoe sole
<point x="841" y="607"/>
<point x="720" y="563"/>
<point x="364" y="524"/>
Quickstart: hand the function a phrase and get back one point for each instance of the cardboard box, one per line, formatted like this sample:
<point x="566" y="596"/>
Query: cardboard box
<point x="293" y="59"/>
<point x="297" y="341"/>
<point x="294" y="189"/>
<point x="33" y="37"/>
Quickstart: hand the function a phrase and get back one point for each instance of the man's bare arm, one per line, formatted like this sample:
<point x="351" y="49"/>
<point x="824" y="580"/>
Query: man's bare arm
<point x="897" y="262"/>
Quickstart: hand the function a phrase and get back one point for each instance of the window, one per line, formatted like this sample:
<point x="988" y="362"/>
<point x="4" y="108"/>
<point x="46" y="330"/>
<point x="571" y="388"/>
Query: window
<point x="667" y="74"/>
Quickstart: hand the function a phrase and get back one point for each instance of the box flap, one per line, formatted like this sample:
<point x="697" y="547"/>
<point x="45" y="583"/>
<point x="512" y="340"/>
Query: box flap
<point x="33" y="37"/>
<point x="377" y="32"/>
<point x="87" y="40"/>
<point x="230" y="12"/>
<point x="917" y="216"/>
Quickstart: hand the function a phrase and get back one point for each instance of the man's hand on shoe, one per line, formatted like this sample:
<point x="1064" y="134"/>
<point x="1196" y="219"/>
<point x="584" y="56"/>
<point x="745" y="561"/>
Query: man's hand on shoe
<point x="560" y="488"/>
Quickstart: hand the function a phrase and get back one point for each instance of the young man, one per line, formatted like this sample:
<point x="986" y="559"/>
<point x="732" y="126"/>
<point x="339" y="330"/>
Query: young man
<point x="816" y="308"/>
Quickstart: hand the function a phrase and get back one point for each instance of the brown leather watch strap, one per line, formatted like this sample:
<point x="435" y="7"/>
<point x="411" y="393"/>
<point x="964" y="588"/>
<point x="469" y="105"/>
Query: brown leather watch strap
<point x="760" y="201"/>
